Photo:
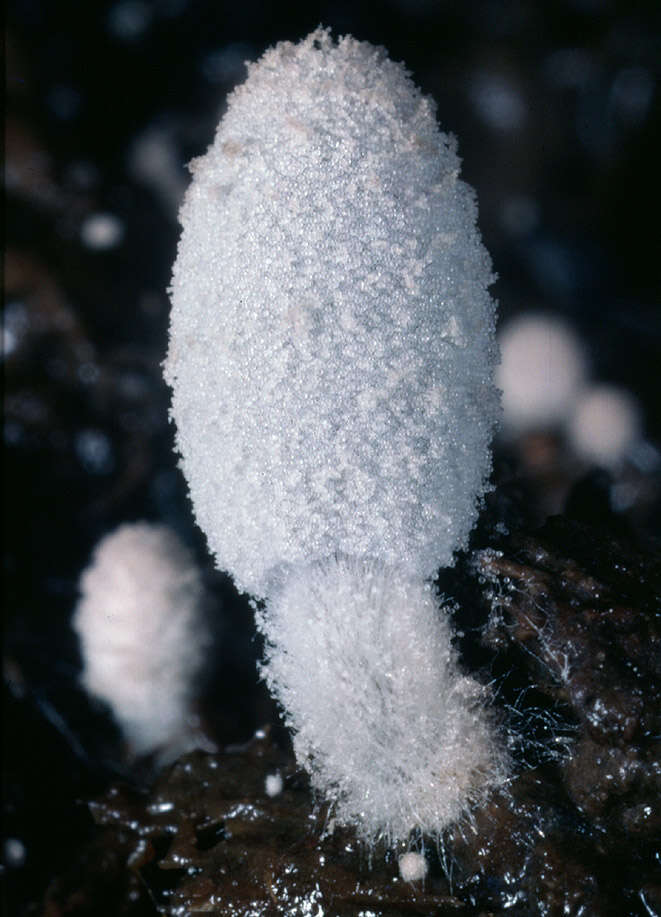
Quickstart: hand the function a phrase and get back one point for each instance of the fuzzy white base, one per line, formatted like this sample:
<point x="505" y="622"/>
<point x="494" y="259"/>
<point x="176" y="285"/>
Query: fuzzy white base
<point x="360" y="657"/>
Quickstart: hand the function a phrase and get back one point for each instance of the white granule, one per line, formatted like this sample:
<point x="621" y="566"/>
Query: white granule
<point x="142" y="634"/>
<point x="273" y="784"/>
<point x="413" y="867"/>
<point x="101" y="231"/>
<point x="332" y="343"/>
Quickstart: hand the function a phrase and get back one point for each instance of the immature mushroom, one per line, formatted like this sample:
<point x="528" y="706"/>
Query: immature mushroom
<point x="143" y="636"/>
<point x="332" y="352"/>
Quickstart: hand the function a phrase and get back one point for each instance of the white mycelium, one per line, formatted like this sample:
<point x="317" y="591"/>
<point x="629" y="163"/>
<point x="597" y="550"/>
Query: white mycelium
<point x="331" y="359"/>
<point x="142" y="634"/>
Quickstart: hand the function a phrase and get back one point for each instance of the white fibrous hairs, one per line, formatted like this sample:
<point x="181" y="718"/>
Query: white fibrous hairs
<point x="360" y="657"/>
<point x="143" y="636"/>
<point x="331" y="359"/>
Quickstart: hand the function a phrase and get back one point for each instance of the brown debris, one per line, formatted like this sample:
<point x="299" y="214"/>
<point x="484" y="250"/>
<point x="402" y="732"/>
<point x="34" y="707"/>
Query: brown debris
<point x="232" y="849"/>
<point x="578" y="616"/>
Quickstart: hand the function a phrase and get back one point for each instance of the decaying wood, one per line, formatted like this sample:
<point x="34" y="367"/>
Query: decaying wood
<point x="570" y="623"/>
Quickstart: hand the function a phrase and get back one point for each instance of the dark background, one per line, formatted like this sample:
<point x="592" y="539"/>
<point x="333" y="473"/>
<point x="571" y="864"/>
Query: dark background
<point x="557" y="110"/>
